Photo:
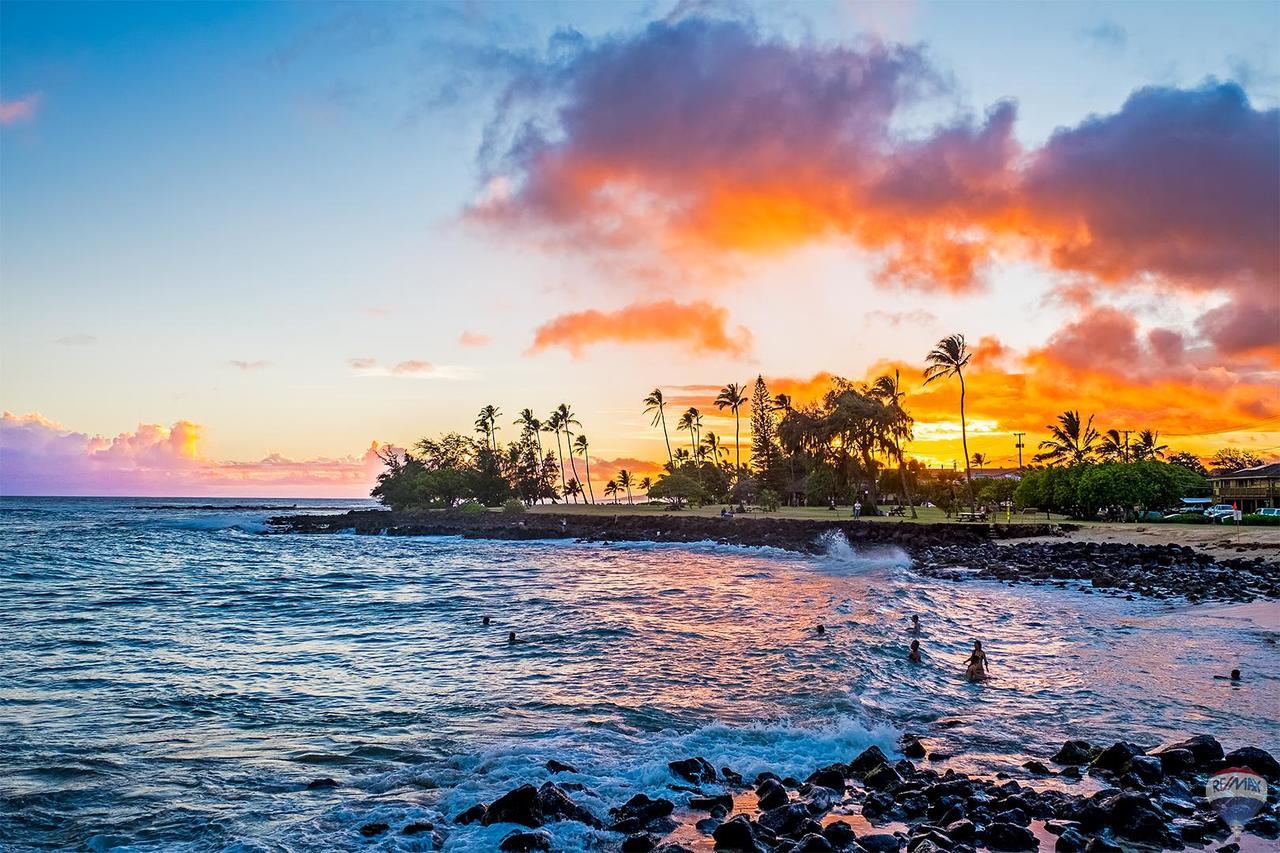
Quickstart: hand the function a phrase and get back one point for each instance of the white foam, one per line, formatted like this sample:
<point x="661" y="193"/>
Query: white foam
<point x="838" y="553"/>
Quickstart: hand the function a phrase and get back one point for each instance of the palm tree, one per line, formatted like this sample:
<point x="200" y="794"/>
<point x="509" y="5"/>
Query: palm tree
<point x="1070" y="440"/>
<point x="691" y="420"/>
<point x="625" y="481"/>
<point x="646" y="483"/>
<point x="980" y="460"/>
<point x="532" y="428"/>
<point x="553" y="423"/>
<point x="573" y="489"/>
<point x="949" y="358"/>
<point x="580" y="447"/>
<point x="655" y="404"/>
<point x="1112" y="446"/>
<point x="712" y="447"/>
<point x="888" y="389"/>
<point x="1148" y="447"/>
<point x="486" y="423"/>
<point x="567" y="422"/>
<point x="611" y="490"/>
<point x="682" y="456"/>
<point x="733" y="397"/>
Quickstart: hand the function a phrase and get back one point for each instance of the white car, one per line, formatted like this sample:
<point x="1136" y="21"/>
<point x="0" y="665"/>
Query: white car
<point x="1270" y="512"/>
<point x="1218" y="511"/>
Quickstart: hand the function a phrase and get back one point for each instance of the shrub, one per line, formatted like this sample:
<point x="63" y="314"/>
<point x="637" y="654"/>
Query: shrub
<point x="513" y="506"/>
<point x="1189" y="518"/>
<point x="1261" y="520"/>
<point x="472" y="507"/>
<point x="770" y="500"/>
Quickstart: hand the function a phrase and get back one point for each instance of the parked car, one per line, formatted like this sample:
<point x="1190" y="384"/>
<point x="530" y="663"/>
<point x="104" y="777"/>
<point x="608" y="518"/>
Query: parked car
<point x="1270" y="511"/>
<point x="1217" y="511"/>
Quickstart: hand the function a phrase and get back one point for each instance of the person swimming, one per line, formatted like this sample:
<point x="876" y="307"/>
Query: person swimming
<point x="977" y="663"/>
<point x="511" y="639"/>
<point x="484" y="621"/>
<point x="822" y="629"/>
<point x="915" y="623"/>
<point x="915" y="656"/>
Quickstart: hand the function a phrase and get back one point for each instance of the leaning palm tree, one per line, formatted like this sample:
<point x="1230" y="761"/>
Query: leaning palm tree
<point x="712" y="447"/>
<point x="611" y="490"/>
<point x="655" y="405"/>
<point x="1070" y="440"/>
<point x="567" y="423"/>
<point x="625" y="481"/>
<point x="1148" y="447"/>
<point x="949" y="358"/>
<point x="580" y="447"/>
<point x="732" y="396"/>
<point x="888" y="389"/>
<point x="553" y="423"/>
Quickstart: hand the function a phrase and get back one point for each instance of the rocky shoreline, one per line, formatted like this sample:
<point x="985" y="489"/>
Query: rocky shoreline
<point x="955" y="552"/>
<point x="1146" y="798"/>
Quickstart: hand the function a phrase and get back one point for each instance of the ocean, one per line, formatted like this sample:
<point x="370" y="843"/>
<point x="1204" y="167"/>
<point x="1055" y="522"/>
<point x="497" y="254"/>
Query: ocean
<point x="173" y="679"/>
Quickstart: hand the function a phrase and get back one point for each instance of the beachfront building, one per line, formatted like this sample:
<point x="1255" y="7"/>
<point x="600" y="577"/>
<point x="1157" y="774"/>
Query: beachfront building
<point x="1250" y="489"/>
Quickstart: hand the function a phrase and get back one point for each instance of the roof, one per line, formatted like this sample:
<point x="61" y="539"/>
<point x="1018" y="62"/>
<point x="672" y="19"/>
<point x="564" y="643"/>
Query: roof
<point x="1271" y="469"/>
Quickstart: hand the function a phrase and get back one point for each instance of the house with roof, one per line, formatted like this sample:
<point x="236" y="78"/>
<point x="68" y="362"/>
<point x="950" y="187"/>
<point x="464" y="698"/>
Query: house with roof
<point x="1249" y="489"/>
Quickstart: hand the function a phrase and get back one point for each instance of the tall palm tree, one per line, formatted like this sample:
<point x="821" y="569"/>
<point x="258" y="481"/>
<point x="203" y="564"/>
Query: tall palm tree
<point x="646" y="483"/>
<point x="625" y="481"/>
<point x="580" y="447"/>
<point x="567" y="423"/>
<point x="980" y="460"/>
<point x="657" y="406"/>
<point x="949" y="358"/>
<point x="611" y="490"/>
<point x="691" y="420"/>
<point x="888" y="389"/>
<point x="682" y="456"/>
<point x="1148" y="446"/>
<point x="553" y="423"/>
<point x="732" y="396"/>
<point x="573" y="489"/>
<point x="531" y="428"/>
<point x="1070" y="440"/>
<point x="486" y="424"/>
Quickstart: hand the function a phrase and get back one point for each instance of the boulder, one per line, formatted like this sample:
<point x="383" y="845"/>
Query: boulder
<point x="1258" y="760"/>
<point x="472" y="814"/>
<point x="520" y="841"/>
<point x="560" y="767"/>
<point x="1147" y="768"/>
<point x="1176" y="762"/>
<point x="1070" y="841"/>
<point x="1205" y="749"/>
<point x="1008" y="836"/>
<point x="519" y="805"/>
<point x="557" y="805"/>
<point x="736" y="834"/>
<point x="418" y="827"/>
<point x="639" y="843"/>
<point x="706" y="804"/>
<point x="784" y="820"/>
<point x="840" y="834"/>
<point x="830" y="777"/>
<point x="1116" y="756"/>
<point x="882" y="778"/>
<point x="961" y="830"/>
<point x="369" y="830"/>
<point x="696" y="769"/>
<point x="1037" y="768"/>
<point x="912" y="747"/>
<point x="1073" y="752"/>
<point x="771" y="794"/>
<point x="868" y="759"/>
<point x="880" y="843"/>
<point x="321" y="784"/>
<point x="813" y="843"/>
<point x="638" y="812"/>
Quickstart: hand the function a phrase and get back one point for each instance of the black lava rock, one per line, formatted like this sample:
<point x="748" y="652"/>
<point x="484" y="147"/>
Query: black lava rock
<point x="1258" y="760"/>
<point x="1008" y="836"/>
<point x="869" y="759"/>
<point x="771" y="794"/>
<point x="560" y="767"/>
<point x="524" y="842"/>
<point x="369" y="830"/>
<point x="736" y="834"/>
<point x="1073" y="752"/>
<point x="321" y="784"/>
<point x="696" y="769"/>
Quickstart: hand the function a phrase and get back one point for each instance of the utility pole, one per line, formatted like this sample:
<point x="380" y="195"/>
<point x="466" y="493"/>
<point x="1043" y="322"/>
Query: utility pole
<point x="1019" y="445"/>
<point x="1126" y="445"/>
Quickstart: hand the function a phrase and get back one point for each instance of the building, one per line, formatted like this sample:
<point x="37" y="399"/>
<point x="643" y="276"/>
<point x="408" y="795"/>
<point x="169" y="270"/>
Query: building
<point x="1250" y="489"/>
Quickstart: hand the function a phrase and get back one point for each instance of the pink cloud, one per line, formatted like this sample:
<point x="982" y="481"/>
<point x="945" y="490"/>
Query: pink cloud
<point x="412" y="368"/>
<point x="41" y="457"/>
<point x="19" y="110"/>
<point x="249" y="365"/>
<point x="700" y="327"/>
<point x="474" y="339"/>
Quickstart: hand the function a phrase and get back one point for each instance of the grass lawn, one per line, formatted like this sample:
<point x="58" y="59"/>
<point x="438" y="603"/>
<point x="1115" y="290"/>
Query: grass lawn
<point x="928" y="515"/>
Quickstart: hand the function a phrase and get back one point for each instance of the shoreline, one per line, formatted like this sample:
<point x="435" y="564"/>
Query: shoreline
<point x="1024" y="553"/>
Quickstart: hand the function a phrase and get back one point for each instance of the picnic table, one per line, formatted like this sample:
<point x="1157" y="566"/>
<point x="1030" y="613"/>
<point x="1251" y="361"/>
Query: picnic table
<point x="898" y="510"/>
<point x="971" y="516"/>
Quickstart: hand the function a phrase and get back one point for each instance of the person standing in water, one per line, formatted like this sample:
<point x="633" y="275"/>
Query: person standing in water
<point x="915" y="657"/>
<point x="977" y="663"/>
<point x="915" y="624"/>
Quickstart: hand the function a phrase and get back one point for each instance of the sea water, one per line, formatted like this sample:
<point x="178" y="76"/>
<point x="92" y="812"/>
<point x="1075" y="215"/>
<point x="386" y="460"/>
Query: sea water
<point x="173" y="679"/>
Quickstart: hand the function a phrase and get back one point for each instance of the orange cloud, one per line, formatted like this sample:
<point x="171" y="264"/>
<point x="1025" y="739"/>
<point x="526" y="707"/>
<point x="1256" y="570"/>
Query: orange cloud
<point x="699" y="326"/>
<point x="473" y="339"/>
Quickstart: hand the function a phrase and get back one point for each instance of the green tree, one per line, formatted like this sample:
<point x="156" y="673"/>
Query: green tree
<point x="1189" y="461"/>
<point x="567" y="422"/>
<point x="678" y="488"/>
<point x="554" y="423"/>
<point x="691" y="420"/>
<point x="624" y="482"/>
<point x="888" y="389"/>
<point x="611" y="490"/>
<point x="1230" y="459"/>
<point x="581" y="447"/>
<point x="949" y="358"/>
<point x="764" y="441"/>
<point x="1148" y="447"/>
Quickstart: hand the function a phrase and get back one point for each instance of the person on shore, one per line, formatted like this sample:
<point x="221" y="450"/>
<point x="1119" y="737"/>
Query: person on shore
<point x="915" y="656"/>
<point x="978" y="668"/>
<point x="857" y="509"/>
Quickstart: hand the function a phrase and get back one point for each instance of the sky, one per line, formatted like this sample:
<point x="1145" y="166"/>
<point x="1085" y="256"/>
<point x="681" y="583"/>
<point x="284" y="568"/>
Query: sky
<point x="244" y="244"/>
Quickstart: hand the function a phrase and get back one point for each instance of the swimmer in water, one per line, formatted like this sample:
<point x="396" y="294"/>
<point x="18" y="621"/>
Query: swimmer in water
<point x="1234" y="678"/>
<point x="511" y="639"/>
<point x="822" y="629"/>
<point x="977" y="663"/>
<point x="915" y="657"/>
<point x="485" y="621"/>
<point x="915" y="624"/>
